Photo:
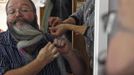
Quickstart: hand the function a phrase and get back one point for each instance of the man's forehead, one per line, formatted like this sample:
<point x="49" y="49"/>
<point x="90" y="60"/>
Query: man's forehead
<point x="19" y="2"/>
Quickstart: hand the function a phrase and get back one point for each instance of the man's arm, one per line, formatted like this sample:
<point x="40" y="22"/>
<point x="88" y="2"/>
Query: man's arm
<point x="45" y="56"/>
<point x="76" y="63"/>
<point x="79" y="29"/>
<point x="32" y="68"/>
<point x="120" y="60"/>
<point x="60" y="29"/>
<point x="69" y="20"/>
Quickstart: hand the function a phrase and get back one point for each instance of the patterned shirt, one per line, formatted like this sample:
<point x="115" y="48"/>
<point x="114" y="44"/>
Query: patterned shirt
<point x="85" y="15"/>
<point x="12" y="58"/>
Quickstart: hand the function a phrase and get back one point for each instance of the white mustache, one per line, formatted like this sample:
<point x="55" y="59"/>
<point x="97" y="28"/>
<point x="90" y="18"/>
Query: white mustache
<point x="18" y="20"/>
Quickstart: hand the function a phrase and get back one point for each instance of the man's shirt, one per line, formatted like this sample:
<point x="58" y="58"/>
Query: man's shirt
<point x="85" y="16"/>
<point x="12" y="58"/>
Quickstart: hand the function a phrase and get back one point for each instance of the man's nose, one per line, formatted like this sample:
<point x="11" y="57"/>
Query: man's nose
<point x="18" y="13"/>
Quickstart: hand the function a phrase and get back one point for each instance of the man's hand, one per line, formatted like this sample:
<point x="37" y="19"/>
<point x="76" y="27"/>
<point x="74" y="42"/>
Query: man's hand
<point x="63" y="45"/>
<point x="57" y="27"/>
<point x="57" y="30"/>
<point x="48" y="53"/>
<point x="54" y="21"/>
<point x="77" y="65"/>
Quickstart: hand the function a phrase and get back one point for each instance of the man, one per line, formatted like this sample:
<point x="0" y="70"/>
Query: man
<point x="32" y="59"/>
<point x="120" y="57"/>
<point x="85" y="17"/>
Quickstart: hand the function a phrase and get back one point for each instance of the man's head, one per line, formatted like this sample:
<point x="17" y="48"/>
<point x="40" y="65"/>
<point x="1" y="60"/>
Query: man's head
<point x="21" y="11"/>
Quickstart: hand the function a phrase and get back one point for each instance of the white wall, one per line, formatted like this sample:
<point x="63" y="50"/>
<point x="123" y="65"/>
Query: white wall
<point x="103" y="38"/>
<point x="3" y="25"/>
<point x="100" y="35"/>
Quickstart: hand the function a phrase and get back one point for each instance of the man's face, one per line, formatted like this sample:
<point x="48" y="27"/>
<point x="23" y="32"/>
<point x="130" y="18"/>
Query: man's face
<point x="19" y="11"/>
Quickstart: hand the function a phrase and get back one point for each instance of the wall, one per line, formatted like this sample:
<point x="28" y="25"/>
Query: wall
<point x="100" y="36"/>
<point x="3" y="16"/>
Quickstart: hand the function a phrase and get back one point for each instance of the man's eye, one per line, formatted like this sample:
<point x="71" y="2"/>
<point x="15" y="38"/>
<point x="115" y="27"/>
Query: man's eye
<point x="25" y="10"/>
<point x="11" y="11"/>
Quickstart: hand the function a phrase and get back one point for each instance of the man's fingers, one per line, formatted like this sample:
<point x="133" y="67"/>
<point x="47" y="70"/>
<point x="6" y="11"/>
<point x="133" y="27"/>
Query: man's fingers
<point x="52" y="21"/>
<point x="55" y="41"/>
<point x="50" y="47"/>
<point x="52" y="29"/>
<point x="59" y="42"/>
<point x="62" y="43"/>
<point x="54" y="51"/>
<point x="54" y="32"/>
<point x="55" y="23"/>
<point x="48" y="44"/>
<point x="56" y="55"/>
